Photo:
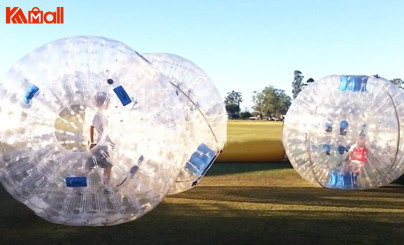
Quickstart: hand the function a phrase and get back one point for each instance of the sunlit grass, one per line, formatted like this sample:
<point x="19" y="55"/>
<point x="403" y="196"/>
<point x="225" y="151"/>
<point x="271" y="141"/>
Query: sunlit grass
<point x="239" y="130"/>
<point x="251" y="203"/>
<point x="253" y="141"/>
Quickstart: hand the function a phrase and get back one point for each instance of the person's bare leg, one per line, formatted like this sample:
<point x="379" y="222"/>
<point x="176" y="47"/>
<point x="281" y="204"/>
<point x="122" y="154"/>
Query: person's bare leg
<point x="88" y="169"/>
<point x="107" y="175"/>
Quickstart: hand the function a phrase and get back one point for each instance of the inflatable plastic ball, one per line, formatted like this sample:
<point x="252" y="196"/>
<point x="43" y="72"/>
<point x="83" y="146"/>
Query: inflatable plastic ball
<point x="204" y="112"/>
<point x="345" y="132"/>
<point x="91" y="132"/>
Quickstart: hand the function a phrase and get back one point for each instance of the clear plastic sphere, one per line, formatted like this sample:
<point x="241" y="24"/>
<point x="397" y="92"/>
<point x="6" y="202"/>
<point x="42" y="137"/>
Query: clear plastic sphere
<point x="91" y="133"/>
<point x="205" y="117"/>
<point x="345" y="132"/>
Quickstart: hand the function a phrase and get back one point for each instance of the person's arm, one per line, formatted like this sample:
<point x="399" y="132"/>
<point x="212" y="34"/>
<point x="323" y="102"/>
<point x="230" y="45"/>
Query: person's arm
<point x="350" y="154"/>
<point x="92" y="143"/>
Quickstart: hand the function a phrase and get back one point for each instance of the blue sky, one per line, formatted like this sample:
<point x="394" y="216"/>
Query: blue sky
<point x="242" y="45"/>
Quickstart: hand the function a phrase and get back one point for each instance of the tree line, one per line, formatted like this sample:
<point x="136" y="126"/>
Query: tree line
<point x="272" y="103"/>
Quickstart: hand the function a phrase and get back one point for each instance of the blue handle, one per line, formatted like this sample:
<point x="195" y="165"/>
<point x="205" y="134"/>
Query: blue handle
<point x="122" y="95"/>
<point x="76" y="181"/>
<point x="353" y="83"/>
<point x="30" y="93"/>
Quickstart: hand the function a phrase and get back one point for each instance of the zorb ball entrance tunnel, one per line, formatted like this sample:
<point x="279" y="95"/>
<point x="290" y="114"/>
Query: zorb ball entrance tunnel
<point x="345" y="132"/>
<point x="93" y="133"/>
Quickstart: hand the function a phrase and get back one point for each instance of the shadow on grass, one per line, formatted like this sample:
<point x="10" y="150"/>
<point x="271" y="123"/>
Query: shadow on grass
<point x="222" y="168"/>
<point x="390" y="197"/>
<point x="210" y="216"/>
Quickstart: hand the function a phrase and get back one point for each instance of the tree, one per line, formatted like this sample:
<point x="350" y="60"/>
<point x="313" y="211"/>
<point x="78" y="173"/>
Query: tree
<point x="245" y="114"/>
<point x="271" y="102"/>
<point x="232" y="110"/>
<point x="297" y="83"/>
<point x="260" y="102"/>
<point x="232" y="102"/>
<point x="310" y="80"/>
<point x="233" y="97"/>
<point x="283" y="102"/>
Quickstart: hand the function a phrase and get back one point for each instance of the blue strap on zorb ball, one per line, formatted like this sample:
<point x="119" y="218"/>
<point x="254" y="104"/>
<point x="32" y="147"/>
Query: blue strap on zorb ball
<point x="344" y="124"/>
<point x="343" y="83"/>
<point x="328" y="125"/>
<point x="326" y="149"/>
<point x="30" y="93"/>
<point x="353" y="83"/>
<point x="341" y="149"/>
<point x="341" y="180"/>
<point x="122" y="95"/>
<point x="76" y="181"/>
<point x="343" y="127"/>
<point x="201" y="160"/>
<point x="333" y="179"/>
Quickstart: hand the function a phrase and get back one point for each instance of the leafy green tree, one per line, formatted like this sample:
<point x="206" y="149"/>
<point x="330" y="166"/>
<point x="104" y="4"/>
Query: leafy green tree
<point x="232" y="102"/>
<point x="297" y="83"/>
<point x="232" y="110"/>
<point x="233" y="97"/>
<point x="310" y="80"/>
<point x="245" y="114"/>
<point x="283" y="102"/>
<point x="262" y="102"/>
<point x="271" y="102"/>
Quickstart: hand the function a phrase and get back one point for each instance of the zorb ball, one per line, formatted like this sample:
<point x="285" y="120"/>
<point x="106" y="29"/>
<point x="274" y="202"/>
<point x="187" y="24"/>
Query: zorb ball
<point x="345" y="132"/>
<point x="205" y="117"/>
<point x="91" y="133"/>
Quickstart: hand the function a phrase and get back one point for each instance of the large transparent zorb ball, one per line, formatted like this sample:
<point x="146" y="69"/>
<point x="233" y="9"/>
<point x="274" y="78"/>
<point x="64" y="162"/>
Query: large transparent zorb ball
<point x="91" y="133"/>
<point x="205" y="117"/>
<point x="345" y="132"/>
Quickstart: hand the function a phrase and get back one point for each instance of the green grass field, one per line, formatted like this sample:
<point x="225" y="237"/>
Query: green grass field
<point x="236" y="203"/>
<point x="241" y="203"/>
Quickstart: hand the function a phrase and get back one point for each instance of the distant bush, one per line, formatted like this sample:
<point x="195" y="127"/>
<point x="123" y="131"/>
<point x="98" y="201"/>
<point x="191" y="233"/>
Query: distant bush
<point x="245" y="114"/>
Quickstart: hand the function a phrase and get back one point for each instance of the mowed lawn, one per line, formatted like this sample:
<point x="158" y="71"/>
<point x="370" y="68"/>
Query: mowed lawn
<point x="253" y="141"/>
<point x="236" y="203"/>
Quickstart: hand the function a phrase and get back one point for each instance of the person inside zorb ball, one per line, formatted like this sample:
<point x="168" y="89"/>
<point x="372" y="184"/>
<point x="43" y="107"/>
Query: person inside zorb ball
<point x="91" y="134"/>
<point x="344" y="132"/>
